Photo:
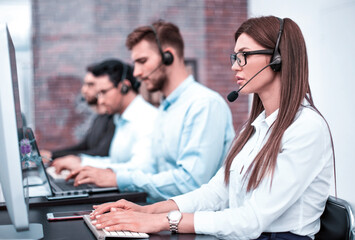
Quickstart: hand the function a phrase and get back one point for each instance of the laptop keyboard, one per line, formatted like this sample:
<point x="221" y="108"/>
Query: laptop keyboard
<point x="68" y="186"/>
<point x="102" y="234"/>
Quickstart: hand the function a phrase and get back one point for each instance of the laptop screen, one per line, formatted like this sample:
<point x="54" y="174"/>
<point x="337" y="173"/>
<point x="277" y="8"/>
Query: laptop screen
<point x="37" y="179"/>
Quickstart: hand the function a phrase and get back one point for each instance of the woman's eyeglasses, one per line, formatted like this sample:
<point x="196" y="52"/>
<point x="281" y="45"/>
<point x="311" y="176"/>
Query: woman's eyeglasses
<point x="241" y="57"/>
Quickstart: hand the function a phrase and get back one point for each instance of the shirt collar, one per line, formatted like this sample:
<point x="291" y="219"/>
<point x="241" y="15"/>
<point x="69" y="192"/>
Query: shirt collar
<point x="174" y="96"/>
<point x="267" y="120"/>
<point x="271" y="119"/>
<point x="305" y="103"/>
<point x="130" y="113"/>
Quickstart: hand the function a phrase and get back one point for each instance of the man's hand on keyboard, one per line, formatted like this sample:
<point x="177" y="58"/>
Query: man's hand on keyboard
<point x="69" y="162"/>
<point x="62" y="175"/>
<point x="98" y="176"/>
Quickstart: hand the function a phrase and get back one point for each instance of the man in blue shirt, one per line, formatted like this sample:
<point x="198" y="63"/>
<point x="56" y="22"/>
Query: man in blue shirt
<point x="134" y="119"/>
<point x="193" y="130"/>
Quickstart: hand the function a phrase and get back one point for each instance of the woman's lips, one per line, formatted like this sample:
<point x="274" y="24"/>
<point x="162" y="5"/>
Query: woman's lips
<point x="239" y="80"/>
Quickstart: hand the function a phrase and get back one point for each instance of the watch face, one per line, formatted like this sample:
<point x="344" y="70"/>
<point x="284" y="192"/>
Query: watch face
<point x="174" y="215"/>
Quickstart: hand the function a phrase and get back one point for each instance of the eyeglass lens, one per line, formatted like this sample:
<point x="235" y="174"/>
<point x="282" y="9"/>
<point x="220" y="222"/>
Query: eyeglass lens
<point x="239" y="57"/>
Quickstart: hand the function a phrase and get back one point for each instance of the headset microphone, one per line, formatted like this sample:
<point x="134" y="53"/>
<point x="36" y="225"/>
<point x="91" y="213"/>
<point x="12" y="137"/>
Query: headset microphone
<point x="232" y="96"/>
<point x="152" y="71"/>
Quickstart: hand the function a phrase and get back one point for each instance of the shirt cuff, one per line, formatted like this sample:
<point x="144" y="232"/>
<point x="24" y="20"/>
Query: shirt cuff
<point x="183" y="203"/>
<point x="204" y="223"/>
<point x="124" y="180"/>
<point x="85" y="159"/>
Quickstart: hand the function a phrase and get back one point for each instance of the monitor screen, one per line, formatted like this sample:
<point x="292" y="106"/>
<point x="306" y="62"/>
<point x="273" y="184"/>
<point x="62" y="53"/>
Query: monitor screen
<point x="11" y="134"/>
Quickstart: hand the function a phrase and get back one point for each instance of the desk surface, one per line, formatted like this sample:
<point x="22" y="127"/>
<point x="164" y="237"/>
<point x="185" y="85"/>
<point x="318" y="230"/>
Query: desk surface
<point x="77" y="229"/>
<point x="139" y="197"/>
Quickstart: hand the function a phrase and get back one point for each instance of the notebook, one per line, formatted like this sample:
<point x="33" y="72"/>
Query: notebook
<point x="58" y="185"/>
<point x="103" y="234"/>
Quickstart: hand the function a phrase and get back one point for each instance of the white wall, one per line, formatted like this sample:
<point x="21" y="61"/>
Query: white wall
<point x="328" y="27"/>
<point x="17" y="15"/>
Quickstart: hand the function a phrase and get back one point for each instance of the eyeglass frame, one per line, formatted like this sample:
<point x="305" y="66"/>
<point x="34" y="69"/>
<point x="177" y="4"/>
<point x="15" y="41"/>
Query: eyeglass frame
<point x="103" y="92"/>
<point x="233" y="56"/>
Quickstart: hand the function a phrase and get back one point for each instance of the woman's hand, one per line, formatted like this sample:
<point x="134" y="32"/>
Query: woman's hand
<point x="125" y="215"/>
<point x="123" y="219"/>
<point x="159" y="207"/>
<point x="121" y="204"/>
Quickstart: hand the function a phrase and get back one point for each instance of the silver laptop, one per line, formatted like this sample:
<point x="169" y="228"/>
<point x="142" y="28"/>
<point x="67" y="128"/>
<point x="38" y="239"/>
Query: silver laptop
<point x="58" y="185"/>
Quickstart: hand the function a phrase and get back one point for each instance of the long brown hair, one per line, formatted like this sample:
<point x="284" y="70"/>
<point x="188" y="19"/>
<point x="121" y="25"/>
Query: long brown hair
<point x="294" y="88"/>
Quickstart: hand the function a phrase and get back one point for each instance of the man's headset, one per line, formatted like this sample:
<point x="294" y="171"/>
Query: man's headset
<point x="125" y="88"/>
<point x="167" y="57"/>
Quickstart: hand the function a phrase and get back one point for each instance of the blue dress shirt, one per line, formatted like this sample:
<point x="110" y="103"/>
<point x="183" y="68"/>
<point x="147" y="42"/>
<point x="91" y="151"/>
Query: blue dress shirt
<point x="131" y="144"/>
<point x="192" y="135"/>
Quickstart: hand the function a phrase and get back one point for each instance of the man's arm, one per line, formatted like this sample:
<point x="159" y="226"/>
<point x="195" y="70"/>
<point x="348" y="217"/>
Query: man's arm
<point x="202" y="147"/>
<point x="96" y="142"/>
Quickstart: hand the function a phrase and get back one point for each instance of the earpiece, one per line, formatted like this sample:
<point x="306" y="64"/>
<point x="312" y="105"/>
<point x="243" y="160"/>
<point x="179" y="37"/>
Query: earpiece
<point x="167" y="56"/>
<point x="124" y="89"/>
<point x="275" y="62"/>
<point x="135" y="84"/>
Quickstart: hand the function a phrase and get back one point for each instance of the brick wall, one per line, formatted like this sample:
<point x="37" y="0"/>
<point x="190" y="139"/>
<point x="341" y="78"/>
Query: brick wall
<point x="69" y="35"/>
<point x="222" y="18"/>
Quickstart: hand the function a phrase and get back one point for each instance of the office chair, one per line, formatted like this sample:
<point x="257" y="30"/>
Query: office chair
<point x="337" y="221"/>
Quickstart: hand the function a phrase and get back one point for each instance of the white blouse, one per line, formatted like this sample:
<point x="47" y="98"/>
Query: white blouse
<point x="295" y="200"/>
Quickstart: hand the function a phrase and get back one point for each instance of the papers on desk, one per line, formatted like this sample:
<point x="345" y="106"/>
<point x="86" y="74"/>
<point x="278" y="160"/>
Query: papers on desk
<point x="37" y="187"/>
<point x="33" y="181"/>
<point x="39" y="191"/>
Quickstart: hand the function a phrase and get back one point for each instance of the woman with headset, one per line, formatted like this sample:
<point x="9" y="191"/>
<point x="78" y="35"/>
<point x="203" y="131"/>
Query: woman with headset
<point x="276" y="178"/>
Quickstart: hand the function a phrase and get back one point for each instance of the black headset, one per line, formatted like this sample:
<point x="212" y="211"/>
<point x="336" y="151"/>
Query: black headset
<point x="125" y="88"/>
<point x="276" y="56"/>
<point x="167" y="56"/>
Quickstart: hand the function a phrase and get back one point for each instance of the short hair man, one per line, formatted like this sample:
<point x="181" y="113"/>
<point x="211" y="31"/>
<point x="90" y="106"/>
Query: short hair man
<point x="193" y="130"/>
<point x="134" y="119"/>
<point x="98" y="137"/>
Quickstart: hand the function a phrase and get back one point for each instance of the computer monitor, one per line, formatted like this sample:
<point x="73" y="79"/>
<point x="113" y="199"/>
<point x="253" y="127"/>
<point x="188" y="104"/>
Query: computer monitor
<point x="11" y="133"/>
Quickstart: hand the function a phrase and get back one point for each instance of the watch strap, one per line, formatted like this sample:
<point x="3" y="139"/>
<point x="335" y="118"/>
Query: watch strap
<point x="173" y="227"/>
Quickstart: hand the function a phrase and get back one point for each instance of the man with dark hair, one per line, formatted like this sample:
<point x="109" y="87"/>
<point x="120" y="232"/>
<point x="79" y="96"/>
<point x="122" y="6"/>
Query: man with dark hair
<point x="98" y="138"/>
<point x="134" y="119"/>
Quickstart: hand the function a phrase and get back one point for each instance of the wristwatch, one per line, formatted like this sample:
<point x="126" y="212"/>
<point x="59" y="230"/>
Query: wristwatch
<point x="174" y="218"/>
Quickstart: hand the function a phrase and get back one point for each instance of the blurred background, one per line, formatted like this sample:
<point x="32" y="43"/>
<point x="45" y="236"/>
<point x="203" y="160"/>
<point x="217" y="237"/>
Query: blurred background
<point x="56" y="40"/>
